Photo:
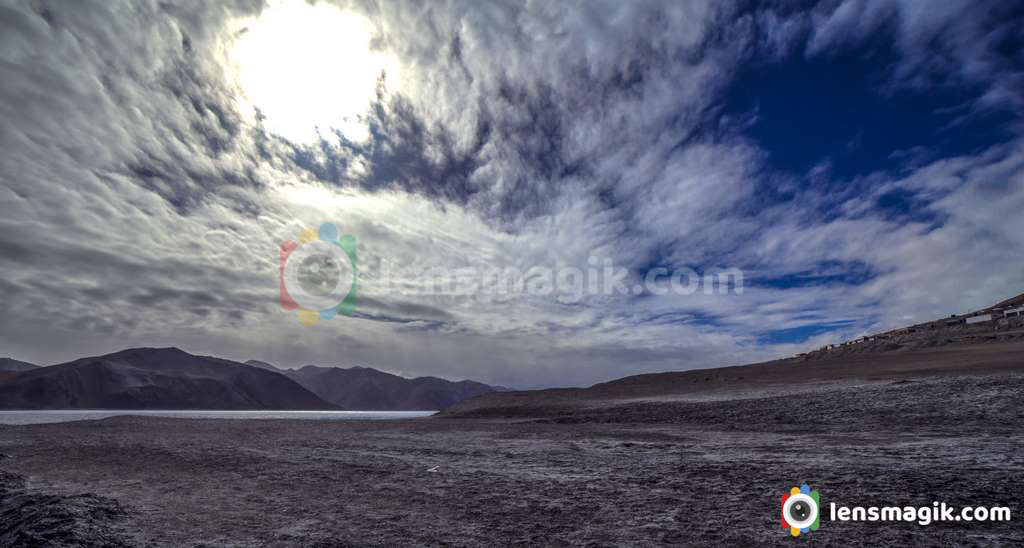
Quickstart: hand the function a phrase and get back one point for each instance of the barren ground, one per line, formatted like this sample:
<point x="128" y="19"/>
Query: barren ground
<point x="669" y="472"/>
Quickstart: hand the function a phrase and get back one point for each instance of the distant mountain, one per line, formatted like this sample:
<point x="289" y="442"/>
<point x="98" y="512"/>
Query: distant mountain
<point x="9" y="365"/>
<point x="265" y="365"/>
<point x="154" y="378"/>
<point x="363" y="388"/>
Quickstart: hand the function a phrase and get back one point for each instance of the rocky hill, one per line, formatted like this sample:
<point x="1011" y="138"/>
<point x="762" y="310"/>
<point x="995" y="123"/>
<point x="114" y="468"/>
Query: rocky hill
<point x="155" y="378"/>
<point x="1002" y="322"/>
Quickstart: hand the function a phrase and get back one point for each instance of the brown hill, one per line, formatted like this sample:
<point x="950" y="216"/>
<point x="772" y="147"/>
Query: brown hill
<point x="757" y="380"/>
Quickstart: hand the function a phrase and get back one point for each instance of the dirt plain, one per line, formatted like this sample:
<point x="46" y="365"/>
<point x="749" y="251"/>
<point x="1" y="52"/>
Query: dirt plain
<point x="636" y="471"/>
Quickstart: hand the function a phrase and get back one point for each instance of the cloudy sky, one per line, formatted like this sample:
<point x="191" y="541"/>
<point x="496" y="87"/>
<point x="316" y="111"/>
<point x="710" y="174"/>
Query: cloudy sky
<point x="862" y="162"/>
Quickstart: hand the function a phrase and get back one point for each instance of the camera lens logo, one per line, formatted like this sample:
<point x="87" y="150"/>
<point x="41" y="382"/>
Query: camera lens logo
<point x="800" y="510"/>
<point x="318" y="275"/>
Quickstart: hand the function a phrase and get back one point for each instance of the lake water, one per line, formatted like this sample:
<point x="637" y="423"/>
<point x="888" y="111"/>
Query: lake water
<point x="39" y="417"/>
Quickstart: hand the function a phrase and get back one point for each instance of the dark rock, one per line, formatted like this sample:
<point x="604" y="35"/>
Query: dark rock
<point x="34" y="519"/>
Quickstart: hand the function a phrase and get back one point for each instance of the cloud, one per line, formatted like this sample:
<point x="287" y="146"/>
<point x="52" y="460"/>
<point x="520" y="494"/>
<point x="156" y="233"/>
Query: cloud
<point x="941" y="44"/>
<point x="143" y="203"/>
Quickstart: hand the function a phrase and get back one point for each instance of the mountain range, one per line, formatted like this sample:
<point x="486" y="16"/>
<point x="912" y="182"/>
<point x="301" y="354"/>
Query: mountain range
<point x="154" y="378"/>
<point x="8" y="365"/>
<point x="365" y="388"/>
<point x="169" y="378"/>
<point x="368" y="389"/>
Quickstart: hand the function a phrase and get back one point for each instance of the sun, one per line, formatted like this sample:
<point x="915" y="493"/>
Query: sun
<point x="309" y="68"/>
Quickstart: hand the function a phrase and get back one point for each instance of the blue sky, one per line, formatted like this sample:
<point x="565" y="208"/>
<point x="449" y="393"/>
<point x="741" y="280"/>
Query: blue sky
<point x="861" y="161"/>
<point x="840" y="109"/>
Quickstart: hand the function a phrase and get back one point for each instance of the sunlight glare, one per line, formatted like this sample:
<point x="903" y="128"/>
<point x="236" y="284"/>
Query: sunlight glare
<point x="309" y="68"/>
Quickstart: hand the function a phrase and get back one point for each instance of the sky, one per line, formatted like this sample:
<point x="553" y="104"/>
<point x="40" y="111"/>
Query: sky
<point x="860" y="161"/>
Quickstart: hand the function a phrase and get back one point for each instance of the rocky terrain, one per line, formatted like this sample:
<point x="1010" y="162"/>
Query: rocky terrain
<point x="699" y="458"/>
<point x="29" y="518"/>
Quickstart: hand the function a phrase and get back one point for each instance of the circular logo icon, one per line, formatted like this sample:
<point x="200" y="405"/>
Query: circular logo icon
<point x="800" y="511"/>
<point x="318" y="275"/>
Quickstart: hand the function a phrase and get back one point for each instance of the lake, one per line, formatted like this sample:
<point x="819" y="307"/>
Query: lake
<point x="47" y="416"/>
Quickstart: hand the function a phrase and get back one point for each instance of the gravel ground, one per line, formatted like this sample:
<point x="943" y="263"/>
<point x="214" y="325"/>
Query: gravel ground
<point x="677" y="473"/>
